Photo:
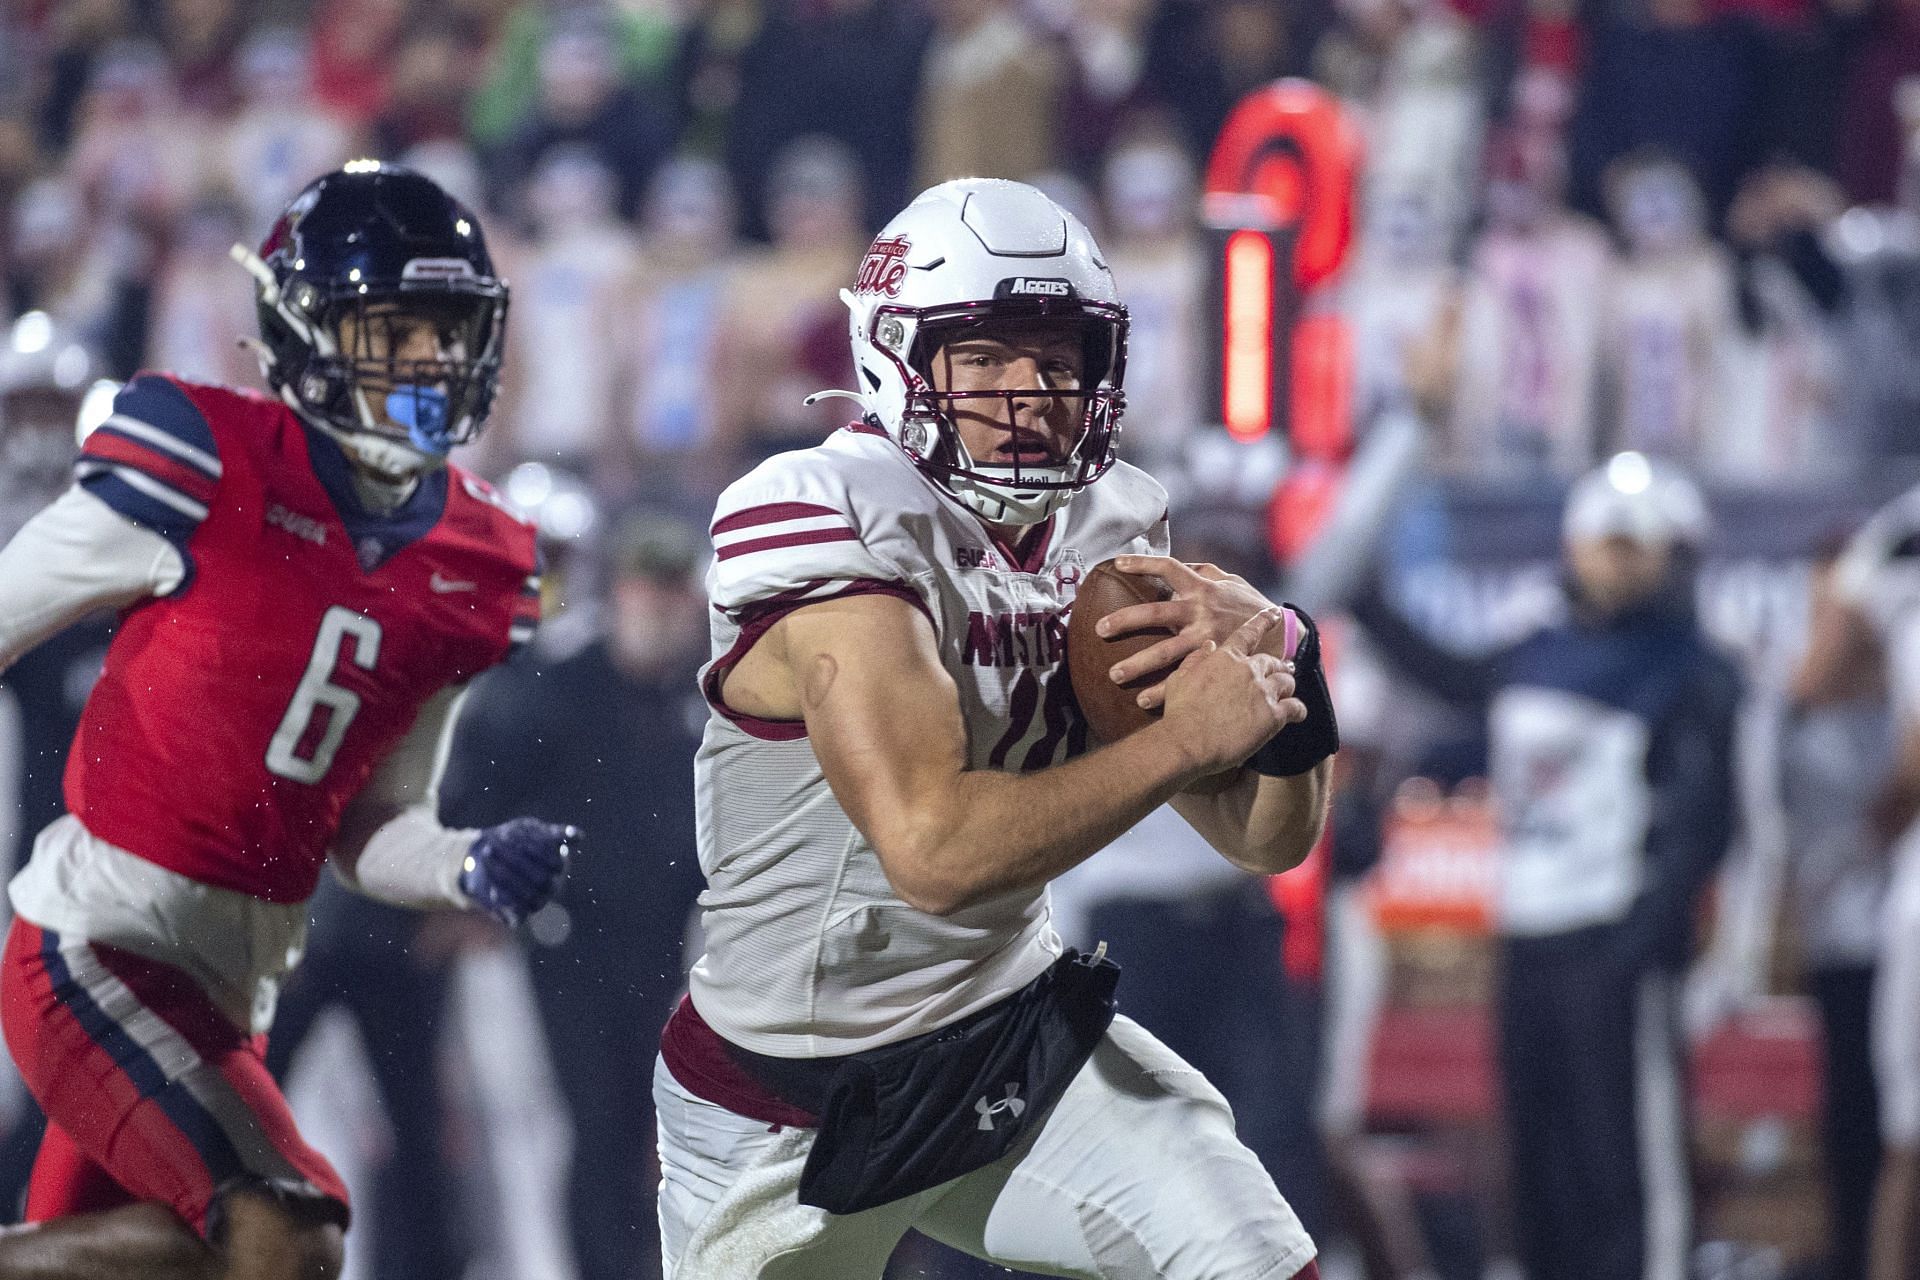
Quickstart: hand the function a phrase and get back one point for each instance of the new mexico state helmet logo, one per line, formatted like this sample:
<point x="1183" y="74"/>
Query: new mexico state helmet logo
<point x="884" y="267"/>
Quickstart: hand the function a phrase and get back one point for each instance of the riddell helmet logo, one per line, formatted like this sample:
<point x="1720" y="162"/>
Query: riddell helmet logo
<point x="884" y="267"/>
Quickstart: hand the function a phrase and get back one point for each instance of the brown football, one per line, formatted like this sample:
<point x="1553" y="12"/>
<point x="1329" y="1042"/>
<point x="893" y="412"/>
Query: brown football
<point x="1110" y="709"/>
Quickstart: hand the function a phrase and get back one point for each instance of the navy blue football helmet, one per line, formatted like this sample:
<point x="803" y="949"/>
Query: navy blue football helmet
<point x="357" y="247"/>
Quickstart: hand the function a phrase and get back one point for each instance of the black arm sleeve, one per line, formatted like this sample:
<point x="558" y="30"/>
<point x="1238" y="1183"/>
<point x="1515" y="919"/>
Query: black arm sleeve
<point x="1457" y="677"/>
<point x="1690" y="767"/>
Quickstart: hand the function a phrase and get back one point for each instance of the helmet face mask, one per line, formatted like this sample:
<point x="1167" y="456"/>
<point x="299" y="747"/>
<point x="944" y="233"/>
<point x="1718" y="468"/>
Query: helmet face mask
<point x="996" y="260"/>
<point x="364" y="264"/>
<point x="430" y="401"/>
<point x="931" y="425"/>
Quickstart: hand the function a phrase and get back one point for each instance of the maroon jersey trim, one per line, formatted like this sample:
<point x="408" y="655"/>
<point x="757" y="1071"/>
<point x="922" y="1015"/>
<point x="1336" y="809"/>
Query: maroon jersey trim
<point x="756" y="619"/>
<point x="697" y="1056"/>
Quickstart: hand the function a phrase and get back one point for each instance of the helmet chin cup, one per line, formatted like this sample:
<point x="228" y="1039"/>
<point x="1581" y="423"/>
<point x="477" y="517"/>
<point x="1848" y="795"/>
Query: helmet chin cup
<point x="386" y="457"/>
<point x="1003" y="504"/>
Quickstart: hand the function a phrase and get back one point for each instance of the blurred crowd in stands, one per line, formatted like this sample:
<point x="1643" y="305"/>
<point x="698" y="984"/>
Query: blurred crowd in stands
<point x="1685" y="227"/>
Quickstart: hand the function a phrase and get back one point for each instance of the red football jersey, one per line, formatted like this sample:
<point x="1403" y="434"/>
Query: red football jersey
<point x="237" y="716"/>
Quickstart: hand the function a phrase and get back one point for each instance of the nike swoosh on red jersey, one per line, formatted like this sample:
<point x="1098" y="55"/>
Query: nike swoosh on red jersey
<point x="445" y="585"/>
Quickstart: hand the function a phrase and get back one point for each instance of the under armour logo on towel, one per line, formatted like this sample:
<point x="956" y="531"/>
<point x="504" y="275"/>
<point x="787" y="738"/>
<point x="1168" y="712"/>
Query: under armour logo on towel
<point x="1011" y="1103"/>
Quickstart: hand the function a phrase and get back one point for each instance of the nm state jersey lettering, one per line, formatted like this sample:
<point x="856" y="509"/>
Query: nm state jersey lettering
<point x="238" y="715"/>
<point x="810" y="952"/>
<point x="1015" y="639"/>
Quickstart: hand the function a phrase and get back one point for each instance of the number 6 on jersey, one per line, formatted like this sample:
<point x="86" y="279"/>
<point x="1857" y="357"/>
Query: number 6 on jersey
<point x="317" y="690"/>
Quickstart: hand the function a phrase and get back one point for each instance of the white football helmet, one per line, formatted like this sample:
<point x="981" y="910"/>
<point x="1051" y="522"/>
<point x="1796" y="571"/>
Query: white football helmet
<point x="964" y="254"/>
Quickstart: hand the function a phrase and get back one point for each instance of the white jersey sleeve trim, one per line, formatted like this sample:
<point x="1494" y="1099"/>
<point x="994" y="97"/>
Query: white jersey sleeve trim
<point x="75" y="557"/>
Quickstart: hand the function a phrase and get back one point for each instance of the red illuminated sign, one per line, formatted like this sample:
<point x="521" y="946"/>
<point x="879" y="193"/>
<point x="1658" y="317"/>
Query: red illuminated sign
<point x="1246" y="366"/>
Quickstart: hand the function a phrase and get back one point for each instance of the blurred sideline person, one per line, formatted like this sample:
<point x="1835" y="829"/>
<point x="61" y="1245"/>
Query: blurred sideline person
<point x="1838" y="749"/>
<point x="1870" y="622"/>
<point x="45" y="375"/>
<point x="385" y="967"/>
<point x="883" y="1032"/>
<point x="607" y="732"/>
<point x="1611" y="743"/>
<point x="305" y="589"/>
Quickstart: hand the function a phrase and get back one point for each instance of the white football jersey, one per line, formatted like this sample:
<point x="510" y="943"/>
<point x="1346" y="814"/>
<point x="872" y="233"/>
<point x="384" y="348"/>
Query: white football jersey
<point x="810" y="953"/>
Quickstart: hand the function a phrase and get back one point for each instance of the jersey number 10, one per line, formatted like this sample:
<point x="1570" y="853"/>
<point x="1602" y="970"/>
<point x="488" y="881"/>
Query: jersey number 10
<point x="317" y="691"/>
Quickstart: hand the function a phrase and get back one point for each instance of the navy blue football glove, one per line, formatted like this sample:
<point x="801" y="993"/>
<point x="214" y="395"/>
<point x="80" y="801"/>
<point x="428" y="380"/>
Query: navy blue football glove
<point x="515" y="868"/>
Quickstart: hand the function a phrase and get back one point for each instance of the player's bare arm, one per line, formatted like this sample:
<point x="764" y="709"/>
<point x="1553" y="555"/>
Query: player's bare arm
<point x="884" y="719"/>
<point x="1260" y="823"/>
<point x="1843" y="657"/>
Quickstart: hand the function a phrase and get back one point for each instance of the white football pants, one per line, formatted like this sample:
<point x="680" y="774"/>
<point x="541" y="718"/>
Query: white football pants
<point x="1136" y="1175"/>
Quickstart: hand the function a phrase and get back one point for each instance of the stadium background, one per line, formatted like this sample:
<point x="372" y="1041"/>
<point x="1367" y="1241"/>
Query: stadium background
<point x="1730" y="198"/>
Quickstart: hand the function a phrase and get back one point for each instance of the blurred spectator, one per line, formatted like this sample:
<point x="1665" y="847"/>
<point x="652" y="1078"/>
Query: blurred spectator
<point x="354" y="42"/>
<point x="1679" y="76"/>
<point x="1108" y="94"/>
<point x="1410" y="70"/>
<point x="1611" y="745"/>
<point x="1527" y="361"/>
<point x="639" y="39"/>
<point x="135" y="157"/>
<point x="74" y="34"/>
<point x="792" y="78"/>
<point x="427" y="103"/>
<point x="203" y="302"/>
<point x="571" y="284"/>
<point x="1400" y="293"/>
<point x="87" y="276"/>
<point x="585" y="101"/>
<point x="671" y="329"/>
<point x="1878" y="253"/>
<point x="1880" y="103"/>
<point x="609" y="731"/>
<point x="708" y="75"/>
<point x="783" y="331"/>
<point x="1203" y="56"/>
<point x="989" y="103"/>
<point x="201" y="38"/>
<point x="1668" y="317"/>
<point x="279" y="139"/>
<point x="1158" y="261"/>
<point x="1783" y="390"/>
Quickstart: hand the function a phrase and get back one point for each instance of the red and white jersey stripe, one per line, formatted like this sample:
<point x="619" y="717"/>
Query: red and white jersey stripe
<point x="809" y="952"/>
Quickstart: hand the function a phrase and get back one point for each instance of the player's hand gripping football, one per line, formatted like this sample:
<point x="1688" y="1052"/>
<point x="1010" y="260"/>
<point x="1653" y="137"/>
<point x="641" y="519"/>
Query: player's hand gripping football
<point x="1225" y="701"/>
<point x="1208" y="605"/>
<point x="515" y="868"/>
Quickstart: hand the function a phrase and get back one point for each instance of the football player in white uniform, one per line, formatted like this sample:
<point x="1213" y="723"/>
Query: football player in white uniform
<point x="884" y="1033"/>
<point x="1874" y="615"/>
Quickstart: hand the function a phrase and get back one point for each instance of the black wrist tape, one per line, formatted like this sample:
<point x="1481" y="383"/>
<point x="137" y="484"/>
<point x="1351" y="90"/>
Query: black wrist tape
<point x="1299" y="747"/>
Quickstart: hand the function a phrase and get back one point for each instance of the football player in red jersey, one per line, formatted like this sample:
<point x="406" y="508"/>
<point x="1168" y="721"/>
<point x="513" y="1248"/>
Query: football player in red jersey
<point x="306" y="588"/>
